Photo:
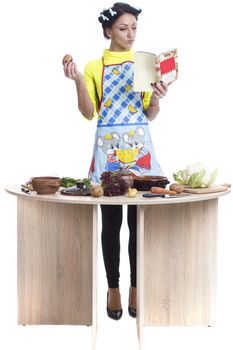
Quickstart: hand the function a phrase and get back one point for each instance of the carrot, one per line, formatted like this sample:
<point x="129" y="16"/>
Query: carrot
<point x="160" y="190"/>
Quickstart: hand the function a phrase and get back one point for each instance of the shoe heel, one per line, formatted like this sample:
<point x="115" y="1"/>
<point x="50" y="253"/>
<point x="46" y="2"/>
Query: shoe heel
<point x="132" y="311"/>
<point x="114" y="314"/>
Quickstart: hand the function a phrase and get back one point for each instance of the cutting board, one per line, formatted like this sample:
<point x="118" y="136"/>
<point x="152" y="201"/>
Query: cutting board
<point x="212" y="189"/>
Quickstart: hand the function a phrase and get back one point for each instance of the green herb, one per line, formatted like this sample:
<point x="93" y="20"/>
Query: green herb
<point x="86" y="182"/>
<point x="69" y="182"/>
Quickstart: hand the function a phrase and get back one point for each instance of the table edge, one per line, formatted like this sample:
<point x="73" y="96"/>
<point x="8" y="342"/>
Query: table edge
<point x="118" y="200"/>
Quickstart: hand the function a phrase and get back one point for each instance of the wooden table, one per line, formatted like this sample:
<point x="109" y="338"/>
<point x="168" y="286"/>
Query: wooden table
<point x="57" y="254"/>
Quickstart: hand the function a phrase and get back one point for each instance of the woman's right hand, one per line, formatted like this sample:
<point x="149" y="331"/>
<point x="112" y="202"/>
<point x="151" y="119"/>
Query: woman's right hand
<point x="71" y="71"/>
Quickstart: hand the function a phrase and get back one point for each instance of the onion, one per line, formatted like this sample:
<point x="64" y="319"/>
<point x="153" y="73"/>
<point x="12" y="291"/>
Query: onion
<point x="97" y="191"/>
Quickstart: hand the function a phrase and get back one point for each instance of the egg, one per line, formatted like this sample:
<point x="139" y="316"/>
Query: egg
<point x="67" y="58"/>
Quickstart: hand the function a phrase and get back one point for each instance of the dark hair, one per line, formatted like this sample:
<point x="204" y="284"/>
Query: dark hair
<point x="109" y="16"/>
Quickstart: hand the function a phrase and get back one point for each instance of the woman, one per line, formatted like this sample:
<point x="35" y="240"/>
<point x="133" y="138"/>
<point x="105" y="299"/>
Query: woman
<point x="122" y="138"/>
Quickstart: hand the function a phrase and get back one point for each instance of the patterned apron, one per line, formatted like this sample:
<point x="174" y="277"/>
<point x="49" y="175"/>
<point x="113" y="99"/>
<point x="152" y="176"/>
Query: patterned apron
<point x="123" y="138"/>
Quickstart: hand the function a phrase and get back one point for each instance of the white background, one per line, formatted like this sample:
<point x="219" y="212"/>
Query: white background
<point x="43" y="133"/>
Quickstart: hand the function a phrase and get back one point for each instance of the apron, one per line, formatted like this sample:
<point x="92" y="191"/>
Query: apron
<point x="122" y="140"/>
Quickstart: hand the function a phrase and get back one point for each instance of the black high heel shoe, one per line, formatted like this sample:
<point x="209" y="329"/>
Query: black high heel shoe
<point x="132" y="311"/>
<point x="114" y="314"/>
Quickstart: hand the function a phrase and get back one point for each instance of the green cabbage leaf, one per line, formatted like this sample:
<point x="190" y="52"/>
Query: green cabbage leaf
<point x="196" y="175"/>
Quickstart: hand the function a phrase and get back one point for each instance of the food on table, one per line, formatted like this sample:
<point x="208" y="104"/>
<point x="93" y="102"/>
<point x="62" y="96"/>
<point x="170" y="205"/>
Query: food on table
<point x="67" y="58"/>
<point x="196" y="175"/>
<point x="160" y="190"/>
<point x="132" y="192"/>
<point x="70" y="181"/>
<point x="28" y="186"/>
<point x="97" y="191"/>
<point x="177" y="187"/>
<point x="113" y="183"/>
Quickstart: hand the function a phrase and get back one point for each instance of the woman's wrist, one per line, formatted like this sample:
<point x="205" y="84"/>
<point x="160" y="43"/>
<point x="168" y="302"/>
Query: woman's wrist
<point x="154" y="102"/>
<point x="79" y="80"/>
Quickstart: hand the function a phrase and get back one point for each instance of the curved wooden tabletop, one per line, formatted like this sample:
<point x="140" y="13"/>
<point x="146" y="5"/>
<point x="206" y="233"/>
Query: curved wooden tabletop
<point x="117" y="200"/>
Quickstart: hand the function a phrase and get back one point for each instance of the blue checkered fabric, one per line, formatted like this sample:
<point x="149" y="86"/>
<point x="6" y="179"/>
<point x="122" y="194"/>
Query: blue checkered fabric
<point x="120" y="105"/>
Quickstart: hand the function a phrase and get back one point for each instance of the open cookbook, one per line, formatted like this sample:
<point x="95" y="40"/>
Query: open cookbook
<point x="150" y="68"/>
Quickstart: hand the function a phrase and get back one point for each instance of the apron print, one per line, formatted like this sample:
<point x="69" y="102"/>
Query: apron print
<point x="136" y="158"/>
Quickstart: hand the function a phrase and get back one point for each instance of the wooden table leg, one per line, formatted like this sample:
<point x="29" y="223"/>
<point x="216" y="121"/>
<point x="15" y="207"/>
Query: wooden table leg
<point x="55" y="263"/>
<point x="140" y="274"/>
<point x="95" y="274"/>
<point x="177" y="264"/>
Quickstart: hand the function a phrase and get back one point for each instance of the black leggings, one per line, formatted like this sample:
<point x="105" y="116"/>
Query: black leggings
<point x="111" y="225"/>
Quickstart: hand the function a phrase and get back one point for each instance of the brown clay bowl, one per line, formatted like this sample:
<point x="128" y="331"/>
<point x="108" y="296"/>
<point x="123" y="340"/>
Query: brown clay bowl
<point x="144" y="183"/>
<point x="46" y="184"/>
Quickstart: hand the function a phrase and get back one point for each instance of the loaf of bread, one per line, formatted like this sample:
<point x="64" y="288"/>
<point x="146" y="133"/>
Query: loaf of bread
<point x="67" y="58"/>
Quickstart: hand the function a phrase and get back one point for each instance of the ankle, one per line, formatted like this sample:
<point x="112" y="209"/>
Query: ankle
<point x="114" y="299"/>
<point x="133" y="297"/>
<point x="114" y="290"/>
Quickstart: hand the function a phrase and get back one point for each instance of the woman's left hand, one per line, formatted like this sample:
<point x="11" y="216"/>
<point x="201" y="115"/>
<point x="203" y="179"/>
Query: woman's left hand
<point x="160" y="90"/>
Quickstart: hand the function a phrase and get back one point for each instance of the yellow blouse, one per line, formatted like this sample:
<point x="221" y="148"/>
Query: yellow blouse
<point x="93" y="75"/>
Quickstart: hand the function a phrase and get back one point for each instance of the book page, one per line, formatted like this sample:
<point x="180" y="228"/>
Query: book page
<point x="144" y="71"/>
<point x="150" y="68"/>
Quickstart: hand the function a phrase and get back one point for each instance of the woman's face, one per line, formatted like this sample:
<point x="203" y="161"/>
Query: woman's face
<point x="123" y="32"/>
